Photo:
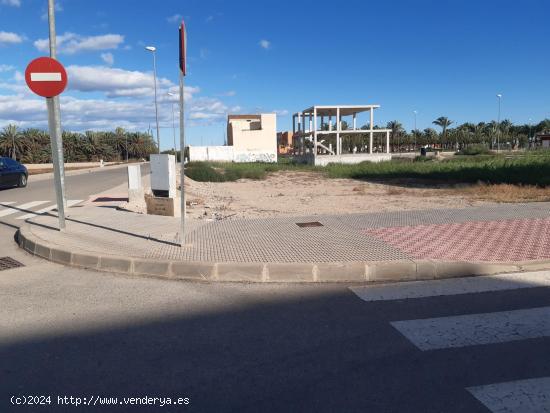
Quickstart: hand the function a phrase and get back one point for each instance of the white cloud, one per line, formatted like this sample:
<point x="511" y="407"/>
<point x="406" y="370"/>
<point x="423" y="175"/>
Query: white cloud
<point x="203" y="53"/>
<point x="6" y="68"/>
<point x="105" y="114"/>
<point x="71" y="43"/>
<point x="108" y="58"/>
<point x="265" y="44"/>
<point x="281" y="112"/>
<point x="117" y="82"/>
<point x="10" y="38"/>
<point x="209" y="19"/>
<point x="176" y="18"/>
<point x="228" y="93"/>
<point x="15" y="3"/>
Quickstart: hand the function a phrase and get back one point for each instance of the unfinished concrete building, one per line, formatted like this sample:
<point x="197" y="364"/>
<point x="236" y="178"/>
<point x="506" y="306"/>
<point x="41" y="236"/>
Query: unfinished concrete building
<point x="321" y="142"/>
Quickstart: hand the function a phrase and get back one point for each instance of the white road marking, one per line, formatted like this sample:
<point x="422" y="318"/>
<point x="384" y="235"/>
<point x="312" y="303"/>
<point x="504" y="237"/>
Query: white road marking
<point x="46" y="77"/>
<point x="18" y="208"/>
<point x="476" y="329"/>
<point x="70" y="203"/>
<point x="525" y="396"/>
<point x="454" y="286"/>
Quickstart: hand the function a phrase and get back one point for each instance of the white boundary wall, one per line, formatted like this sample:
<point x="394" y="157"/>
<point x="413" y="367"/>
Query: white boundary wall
<point x="228" y="154"/>
<point x="323" y="160"/>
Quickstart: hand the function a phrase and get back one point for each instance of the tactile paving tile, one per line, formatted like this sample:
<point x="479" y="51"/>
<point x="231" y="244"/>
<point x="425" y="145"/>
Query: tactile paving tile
<point x="504" y="240"/>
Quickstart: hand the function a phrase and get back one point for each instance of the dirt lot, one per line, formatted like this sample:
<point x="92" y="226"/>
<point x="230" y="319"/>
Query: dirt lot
<point x="306" y="193"/>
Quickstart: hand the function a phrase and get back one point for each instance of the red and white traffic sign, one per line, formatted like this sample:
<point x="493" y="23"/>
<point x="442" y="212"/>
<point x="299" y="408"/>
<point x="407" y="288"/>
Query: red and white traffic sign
<point x="46" y="77"/>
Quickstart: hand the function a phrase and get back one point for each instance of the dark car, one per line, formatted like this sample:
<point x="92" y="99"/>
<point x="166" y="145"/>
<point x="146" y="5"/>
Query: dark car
<point x="12" y="173"/>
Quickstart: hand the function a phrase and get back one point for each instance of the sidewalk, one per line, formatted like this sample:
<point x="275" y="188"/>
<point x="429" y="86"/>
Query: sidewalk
<point x="392" y="246"/>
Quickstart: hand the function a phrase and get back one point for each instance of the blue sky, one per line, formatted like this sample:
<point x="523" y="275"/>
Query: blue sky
<point x="437" y="57"/>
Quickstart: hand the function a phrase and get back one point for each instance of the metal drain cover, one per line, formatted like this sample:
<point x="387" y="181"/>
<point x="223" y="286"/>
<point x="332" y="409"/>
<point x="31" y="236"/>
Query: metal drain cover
<point x="309" y="224"/>
<point x="7" y="262"/>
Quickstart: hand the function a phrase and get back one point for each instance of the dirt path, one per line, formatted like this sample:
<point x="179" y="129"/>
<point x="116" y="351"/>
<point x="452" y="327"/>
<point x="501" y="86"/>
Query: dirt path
<point x="305" y="193"/>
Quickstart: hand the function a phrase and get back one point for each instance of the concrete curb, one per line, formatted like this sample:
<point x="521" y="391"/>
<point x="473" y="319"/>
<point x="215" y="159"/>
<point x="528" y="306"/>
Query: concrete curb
<point x="357" y="272"/>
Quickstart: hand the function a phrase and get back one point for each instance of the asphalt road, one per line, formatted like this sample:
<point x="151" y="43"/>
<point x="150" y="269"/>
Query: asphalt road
<point x="78" y="186"/>
<point x="481" y="346"/>
<point x="239" y="347"/>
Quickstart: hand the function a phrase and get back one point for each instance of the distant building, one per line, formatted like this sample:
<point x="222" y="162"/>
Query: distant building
<point x="284" y="142"/>
<point x="544" y="139"/>
<point x="254" y="137"/>
<point x="320" y="141"/>
<point x="250" y="138"/>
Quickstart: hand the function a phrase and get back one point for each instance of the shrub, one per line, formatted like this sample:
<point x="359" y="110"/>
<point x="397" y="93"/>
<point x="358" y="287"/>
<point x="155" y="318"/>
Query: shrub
<point x="474" y="150"/>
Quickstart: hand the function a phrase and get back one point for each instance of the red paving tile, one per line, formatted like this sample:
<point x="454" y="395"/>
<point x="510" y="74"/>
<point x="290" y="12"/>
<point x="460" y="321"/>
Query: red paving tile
<point x="507" y="240"/>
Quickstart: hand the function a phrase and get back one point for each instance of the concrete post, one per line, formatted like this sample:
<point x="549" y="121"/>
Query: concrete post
<point x="355" y="121"/>
<point x="371" y="133"/>
<point x="135" y="188"/>
<point x="338" y="143"/>
<point x="314" y="132"/>
<point x="387" y="141"/>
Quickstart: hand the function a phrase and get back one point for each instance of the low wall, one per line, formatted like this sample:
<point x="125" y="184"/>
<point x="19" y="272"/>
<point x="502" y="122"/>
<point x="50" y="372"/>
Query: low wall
<point x="211" y="153"/>
<point x="323" y="160"/>
<point x="229" y="154"/>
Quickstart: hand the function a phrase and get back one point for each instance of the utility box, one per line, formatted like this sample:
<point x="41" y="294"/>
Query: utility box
<point x="163" y="175"/>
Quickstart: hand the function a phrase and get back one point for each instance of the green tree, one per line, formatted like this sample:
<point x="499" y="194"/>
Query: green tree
<point x="444" y="123"/>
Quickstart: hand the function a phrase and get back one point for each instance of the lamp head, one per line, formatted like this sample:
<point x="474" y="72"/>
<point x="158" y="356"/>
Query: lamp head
<point x="150" y="48"/>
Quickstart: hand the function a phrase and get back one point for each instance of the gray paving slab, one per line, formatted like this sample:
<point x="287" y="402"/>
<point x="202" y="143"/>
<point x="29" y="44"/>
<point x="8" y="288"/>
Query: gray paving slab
<point x="341" y="238"/>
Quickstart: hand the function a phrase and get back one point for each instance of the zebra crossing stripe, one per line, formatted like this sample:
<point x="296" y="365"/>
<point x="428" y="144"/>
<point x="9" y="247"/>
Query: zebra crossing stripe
<point x="476" y="329"/>
<point x="70" y="203"/>
<point x="28" y="205"/>
<point x="455" y="286"/>
<point x="525" y="396"/>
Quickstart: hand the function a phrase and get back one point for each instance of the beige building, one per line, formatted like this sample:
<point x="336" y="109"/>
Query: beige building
<point x="250" y="138"/>
<point x="253" y="137"/>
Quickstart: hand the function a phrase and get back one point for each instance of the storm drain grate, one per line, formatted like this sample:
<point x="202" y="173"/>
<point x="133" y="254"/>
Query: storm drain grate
<point x="7" y="262"/>
<point x="309" y="224"/>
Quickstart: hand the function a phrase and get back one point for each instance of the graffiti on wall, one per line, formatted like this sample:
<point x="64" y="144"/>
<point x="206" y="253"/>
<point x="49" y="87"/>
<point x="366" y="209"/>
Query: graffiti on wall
<point x="255" y="157"/>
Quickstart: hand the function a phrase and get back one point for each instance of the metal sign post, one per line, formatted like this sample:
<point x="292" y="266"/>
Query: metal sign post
<point x="54" y="123"/>
<point x="47" y="77"/>
<point x="182" y="65"/>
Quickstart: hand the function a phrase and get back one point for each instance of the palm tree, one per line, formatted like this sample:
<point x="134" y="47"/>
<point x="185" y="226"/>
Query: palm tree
<point x="396" y="129"/>
<point x="444" y="123"/>
<point x="9" y="134"/>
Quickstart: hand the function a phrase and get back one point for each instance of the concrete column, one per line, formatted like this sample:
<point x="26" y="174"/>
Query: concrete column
<point x="355" y="121"/>
<point x="293" y="124"/>
<point x="322" y="121"/>
<point x="387" y="141"/>
<point x="310" y="123"/>
<point x="338" y="143"/>
<point x="299" y="122"/>
<point x="315" y="132"/>
<point x="371" y="133"/>
<point x="330" y="122"/>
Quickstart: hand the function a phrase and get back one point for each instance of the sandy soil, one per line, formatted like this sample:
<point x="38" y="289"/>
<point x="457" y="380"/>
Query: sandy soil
<point x="305" y="193"/>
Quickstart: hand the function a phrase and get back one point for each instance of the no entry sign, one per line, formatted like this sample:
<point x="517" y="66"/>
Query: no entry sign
<point x="46" y="77"/>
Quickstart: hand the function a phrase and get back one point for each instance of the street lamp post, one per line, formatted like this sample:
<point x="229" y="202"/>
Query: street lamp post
<point x="153" y="50"/>
<point x="173" y="120"/>
<point x="499" y="96"/>
<point x="415" y="113"/>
